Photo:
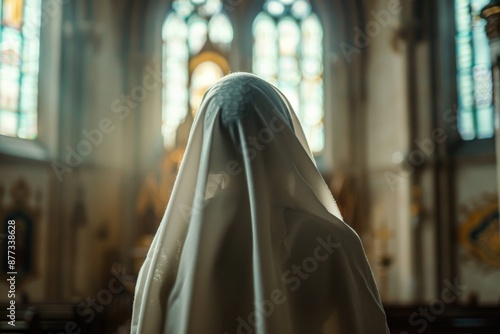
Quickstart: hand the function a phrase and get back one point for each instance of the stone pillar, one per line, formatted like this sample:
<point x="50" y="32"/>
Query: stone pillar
<point x="492" y="15"/>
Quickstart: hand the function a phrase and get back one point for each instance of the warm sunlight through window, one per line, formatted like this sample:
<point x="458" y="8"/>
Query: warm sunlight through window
<point x="186" y="31"/>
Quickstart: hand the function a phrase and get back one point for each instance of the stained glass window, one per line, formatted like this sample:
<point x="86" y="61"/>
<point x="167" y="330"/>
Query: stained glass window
<point x="19" y="62"/>
<point x="186" y="30"/>
<point x="288" y="52"/>
<point x="474" y="84"/>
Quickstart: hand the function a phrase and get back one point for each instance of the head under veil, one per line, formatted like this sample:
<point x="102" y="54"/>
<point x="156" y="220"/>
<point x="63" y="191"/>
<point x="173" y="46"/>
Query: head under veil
<point x="252" y="240"/>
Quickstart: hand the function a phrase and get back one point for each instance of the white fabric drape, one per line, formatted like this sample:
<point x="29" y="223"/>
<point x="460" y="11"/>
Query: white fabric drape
<point x="252" y="240"/>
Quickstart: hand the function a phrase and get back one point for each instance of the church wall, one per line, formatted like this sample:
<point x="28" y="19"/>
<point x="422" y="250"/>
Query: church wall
<point x="86" y="208"/>
<point x="106" y="176"/>
<point x="28" y="162"/>
<point x="476" y="190"/>
<point x="387" y="145"/>
<point x="38" y="180"/>
<point x="467" y="173"/>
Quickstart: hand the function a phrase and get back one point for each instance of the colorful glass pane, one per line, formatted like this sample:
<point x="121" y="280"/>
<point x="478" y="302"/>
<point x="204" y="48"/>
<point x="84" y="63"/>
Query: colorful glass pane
<point x="288" y="52"/>
<point x="9" y="88"/>
<point x="8" y="123"/>
<point x="27" y="126"/>
<point x="31" y="55"/>
<point x="289" y="37"/>
<point x="186" y="31"/>
<point x="300" y="9"/>
<point x="12" y="13"/>
<point x="265" y="51"/>
<point x="220" y="29"/>
<point x="210" y="7"/>
<point x="474" y="81"/>
<point x="274" y="7"/>
<point x="175" y="75"/>
<point x="19" y="67"/>
<point x="198" y="33"/>
<point x="183" y="8"/>
<point x="10" y="48"/>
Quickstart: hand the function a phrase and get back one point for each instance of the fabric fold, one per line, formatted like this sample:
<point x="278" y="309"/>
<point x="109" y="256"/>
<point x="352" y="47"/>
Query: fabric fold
<point x="252" y="240"/>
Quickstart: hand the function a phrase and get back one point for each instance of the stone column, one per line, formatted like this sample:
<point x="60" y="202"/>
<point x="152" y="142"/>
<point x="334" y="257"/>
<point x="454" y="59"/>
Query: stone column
<point x="492" y="15"/>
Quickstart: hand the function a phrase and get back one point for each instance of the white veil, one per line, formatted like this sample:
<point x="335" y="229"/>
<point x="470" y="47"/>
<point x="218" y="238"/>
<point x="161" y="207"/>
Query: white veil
<point x="252" y="240"/>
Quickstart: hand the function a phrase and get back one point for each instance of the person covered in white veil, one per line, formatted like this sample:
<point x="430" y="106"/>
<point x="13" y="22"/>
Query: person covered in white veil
<point x="252" y="240"/>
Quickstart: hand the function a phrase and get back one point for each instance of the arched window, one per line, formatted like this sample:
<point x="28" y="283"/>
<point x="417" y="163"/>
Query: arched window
<point x="19" y="64"/>
<point x="288" y="52"/>
<point x="474" y="85"/>
<point x="195" y="33"/>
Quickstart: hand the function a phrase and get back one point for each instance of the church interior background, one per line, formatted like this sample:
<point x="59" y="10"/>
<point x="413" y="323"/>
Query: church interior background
<point x="396" y="98"/>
